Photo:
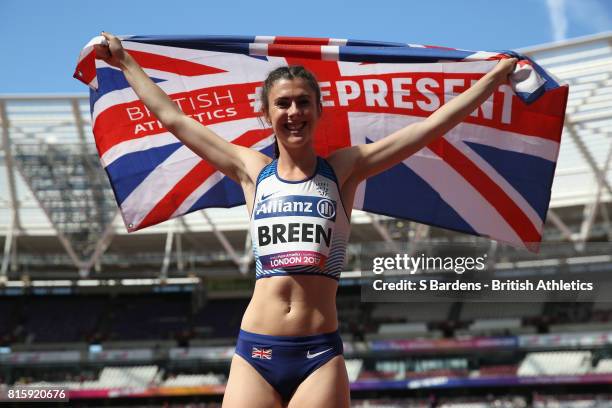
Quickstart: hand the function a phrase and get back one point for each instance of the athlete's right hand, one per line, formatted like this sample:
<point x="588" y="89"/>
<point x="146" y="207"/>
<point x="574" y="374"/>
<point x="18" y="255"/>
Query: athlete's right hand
<point x="112" y="52"/>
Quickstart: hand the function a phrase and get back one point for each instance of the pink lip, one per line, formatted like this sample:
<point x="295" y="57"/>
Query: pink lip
<point x="288" y="126"/>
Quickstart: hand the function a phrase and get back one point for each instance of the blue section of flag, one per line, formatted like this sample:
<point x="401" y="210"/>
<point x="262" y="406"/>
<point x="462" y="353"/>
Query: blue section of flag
<point x="400" y="54"/>
<point x="128" y="171"/>
<point x="367" y="43"/>
<point x="110" y="80"/>
<point x="529" y="175"/>
<point x="191" y="41"/>
<point x="268" y="151"/>
<point x="226" y="193"/>
<point x="231" y="44"/>
<point x="412" y="198"/>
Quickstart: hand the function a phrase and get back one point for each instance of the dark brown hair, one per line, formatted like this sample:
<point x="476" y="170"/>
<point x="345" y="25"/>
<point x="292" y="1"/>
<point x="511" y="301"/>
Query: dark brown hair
<point x="290" y="72"/>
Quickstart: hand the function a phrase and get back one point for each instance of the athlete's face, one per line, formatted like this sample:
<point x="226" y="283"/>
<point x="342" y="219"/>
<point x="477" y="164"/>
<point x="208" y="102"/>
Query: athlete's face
<point x="293" y="112"/>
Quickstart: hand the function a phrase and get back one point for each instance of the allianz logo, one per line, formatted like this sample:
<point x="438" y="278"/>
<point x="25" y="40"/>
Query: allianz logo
<point x="324" y="207"/>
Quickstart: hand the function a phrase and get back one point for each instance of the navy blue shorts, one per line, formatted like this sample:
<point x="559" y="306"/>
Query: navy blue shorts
<point x="285" y="361"/>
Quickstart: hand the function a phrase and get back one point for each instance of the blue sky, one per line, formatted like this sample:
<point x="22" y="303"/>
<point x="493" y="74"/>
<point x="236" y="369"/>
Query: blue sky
<point x="41" y="39"/>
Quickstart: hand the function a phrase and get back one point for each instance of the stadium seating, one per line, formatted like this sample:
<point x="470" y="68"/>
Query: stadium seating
<point x="472" y="402"/>
<point x="411" y="312"/>
<point x="404" y="330"/>
<point x="494" y="326"/>
<point x="194" y="380"/>
<point x="116" y="377"/>
<point x="499" y="310"/>
<point x="604" y="366"/>
<point x="110" y="377"/>
<point x="572" y="401"/>
<point x="555" y="363"/>
<point x="497" y="370"/>
<point x="353" y="368"/>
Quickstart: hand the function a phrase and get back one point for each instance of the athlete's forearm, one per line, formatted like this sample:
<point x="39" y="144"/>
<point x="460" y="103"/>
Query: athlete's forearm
<point x="454" y="111"/>
<point x="370" y="159"/>
<point x="149" y="93"/>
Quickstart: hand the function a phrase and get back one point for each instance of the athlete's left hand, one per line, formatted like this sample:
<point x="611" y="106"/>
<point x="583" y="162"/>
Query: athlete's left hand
<point x="505" y="67"/>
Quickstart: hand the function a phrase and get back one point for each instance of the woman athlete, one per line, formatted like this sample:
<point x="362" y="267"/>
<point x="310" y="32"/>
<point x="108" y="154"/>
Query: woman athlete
<point x="289" y="352"/>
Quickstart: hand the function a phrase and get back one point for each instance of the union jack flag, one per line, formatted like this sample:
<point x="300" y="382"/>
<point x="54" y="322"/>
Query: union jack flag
<point x="261" y="353"/>
<point x="490" y="176"/>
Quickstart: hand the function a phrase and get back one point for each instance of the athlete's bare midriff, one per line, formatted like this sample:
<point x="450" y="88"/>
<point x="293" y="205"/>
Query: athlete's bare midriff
<point x="298" y="305"/>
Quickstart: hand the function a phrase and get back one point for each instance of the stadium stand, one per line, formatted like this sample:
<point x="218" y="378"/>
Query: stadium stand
<point x="556" y="363"/>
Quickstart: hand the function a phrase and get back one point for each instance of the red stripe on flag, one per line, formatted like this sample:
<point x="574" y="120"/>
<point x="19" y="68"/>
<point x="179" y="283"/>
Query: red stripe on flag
<point x="439" y="47"/>
<point x="295" y="51"/>
<point x="333" y="131"/>
<point x="493" y="193"/>
<point x="301" y="40"/>
<point x="86" y="68"/>
<point x="192" y="180"/>
<point x="174" y="65"/>
<point x="115" y="125"/>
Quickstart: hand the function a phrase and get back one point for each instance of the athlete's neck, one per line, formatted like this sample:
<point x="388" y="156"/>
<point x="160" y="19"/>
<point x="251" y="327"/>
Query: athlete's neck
<point x="296" y="165"/>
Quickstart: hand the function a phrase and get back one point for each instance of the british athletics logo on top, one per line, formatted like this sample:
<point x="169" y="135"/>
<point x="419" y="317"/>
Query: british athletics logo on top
<point x="490" y="176"/>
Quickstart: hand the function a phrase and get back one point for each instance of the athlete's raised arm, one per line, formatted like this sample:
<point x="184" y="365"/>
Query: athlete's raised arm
<point x="362" y="161"/>
<point x="239" y="163"/>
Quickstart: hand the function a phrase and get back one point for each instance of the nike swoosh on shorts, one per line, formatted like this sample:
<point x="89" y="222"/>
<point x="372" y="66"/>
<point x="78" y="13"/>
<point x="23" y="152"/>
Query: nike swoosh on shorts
<point x="308" y="355"/>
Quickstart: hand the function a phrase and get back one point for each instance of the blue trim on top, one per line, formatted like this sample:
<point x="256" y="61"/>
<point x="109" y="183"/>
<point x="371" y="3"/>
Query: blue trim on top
<point x="268" y="170"/>
<point x="325" y="169"/>
<point x="328" y="171"/>
<point x="273" y="274"/>
<point x="263" y="174"/>
<point x="316" y="170"/>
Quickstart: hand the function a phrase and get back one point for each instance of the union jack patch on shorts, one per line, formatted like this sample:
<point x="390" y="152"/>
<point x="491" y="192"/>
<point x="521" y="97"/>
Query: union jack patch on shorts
<point x="261" y="353"/>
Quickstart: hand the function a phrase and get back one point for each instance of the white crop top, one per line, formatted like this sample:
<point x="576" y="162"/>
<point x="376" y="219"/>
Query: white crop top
<point x="299" y="227"/>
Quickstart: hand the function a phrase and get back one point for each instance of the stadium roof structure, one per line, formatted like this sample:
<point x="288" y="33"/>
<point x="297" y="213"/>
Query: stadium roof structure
<point x="584" y="170"/>
<point x="57" y="211"/>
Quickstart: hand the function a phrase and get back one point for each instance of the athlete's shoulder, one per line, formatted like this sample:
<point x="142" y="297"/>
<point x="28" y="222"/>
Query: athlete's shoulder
<point x="343" y="161"/>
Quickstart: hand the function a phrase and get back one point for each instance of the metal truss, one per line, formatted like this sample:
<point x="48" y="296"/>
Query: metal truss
<point x="586" y="65"/>
<point x="242" y="262"/>
<point x="65" y="180"/>
<point x="14" y="228"/>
